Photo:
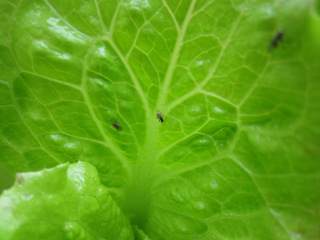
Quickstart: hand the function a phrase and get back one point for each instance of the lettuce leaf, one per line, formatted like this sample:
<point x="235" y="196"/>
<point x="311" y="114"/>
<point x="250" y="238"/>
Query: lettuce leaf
<point x="66" y="202"/>
<point x="238" y="153"/>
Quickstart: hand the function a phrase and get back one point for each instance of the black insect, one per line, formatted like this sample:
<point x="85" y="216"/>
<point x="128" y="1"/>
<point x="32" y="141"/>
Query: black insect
<point x="160" y="117"/>
<point x="276" y="40"/>
<point x="116" y="125"/>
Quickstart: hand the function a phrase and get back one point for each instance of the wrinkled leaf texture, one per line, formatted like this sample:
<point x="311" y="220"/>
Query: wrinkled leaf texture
<point x="237" y="156"/>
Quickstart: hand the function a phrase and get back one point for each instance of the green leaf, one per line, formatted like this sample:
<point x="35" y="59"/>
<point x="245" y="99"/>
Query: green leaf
<point x="6" y="179"/>
<point x="139" y="234"/>
<point x="65" y="202"/>
<point x="238" y="153"/>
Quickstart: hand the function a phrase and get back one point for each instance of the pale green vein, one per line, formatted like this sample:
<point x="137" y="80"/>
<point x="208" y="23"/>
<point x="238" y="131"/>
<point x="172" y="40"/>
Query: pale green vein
<point x="213" y="68"/>
<point x="244" y="168"/>
<point x="77" y="87"/>
<point x="195" y="188"/>
<point x="226" y="179"/>
<point x="153" y="66"/>
<point x="103" y="26"/>
<point x="254" y="85"/>
<point x="114" y="18"/>
<point x="203" y="36"/>
<point x="75" y="137"/>
<point x="28" y="127"/>
<point x="64" y="20"/>
<point x="45" y="106"/>
<point x="123" y="119"/>
<point x="58" y="127"/>
<point x="132" y="75"/>
<point x="4" y="82"/>
<point x="175" y="143"/>
<point x="85" y="228"/>
<point x="174" y="57"/>
<point x="14" y="148"/>
<point x="203" y="7"/>
<point x="171" y="14"/>
<point x="309" y="211"/>
<point x="176" y="211"/>
<point x="116" y="150"/>
<point x="138" y="34"/>
<point x="234" y="216"/>
<point x="211" y="94"/>
<point x="171" y="173"/>
<point x="280" y="176"/>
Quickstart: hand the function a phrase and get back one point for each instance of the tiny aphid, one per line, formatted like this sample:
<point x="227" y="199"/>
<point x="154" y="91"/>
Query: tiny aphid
<point x="160" y="117"/>
<point x="116" y="125"/>
<point x="276" y="40"/>
<point x="20" y="178"/>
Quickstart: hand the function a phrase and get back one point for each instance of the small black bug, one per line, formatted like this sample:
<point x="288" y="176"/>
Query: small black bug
<point x="160" y="117"/>
<point x="276" y="40"/>
<point x="116" y="125"/>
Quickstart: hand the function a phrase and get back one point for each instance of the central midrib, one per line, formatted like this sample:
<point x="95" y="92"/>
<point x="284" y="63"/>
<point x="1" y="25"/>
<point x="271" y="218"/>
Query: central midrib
<point x="138" y="193"/>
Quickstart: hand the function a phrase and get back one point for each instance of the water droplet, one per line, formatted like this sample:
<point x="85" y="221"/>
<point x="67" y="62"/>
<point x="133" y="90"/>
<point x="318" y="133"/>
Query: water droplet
<point x="27" y="197"/>
<point x="177" y="196"/>
<point x="102" y="84"/>
<point x="199" y="63"/>
<point x="101" y="51"/>
<point x="202" y="141"/>
<point x="36" y="116"/>
<point x="55" y="138"/>
<point x="213" y="184"/>
<point x="138" y="4"/>
<point x="196" y="110"/>
<point x="218" y="110"/>
<point x="199" y="205"/>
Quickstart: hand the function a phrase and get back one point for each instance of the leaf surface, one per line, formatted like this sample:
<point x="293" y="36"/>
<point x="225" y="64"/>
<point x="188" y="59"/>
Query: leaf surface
<point x="65" y="202"/>
<point x="237" y="156"/>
